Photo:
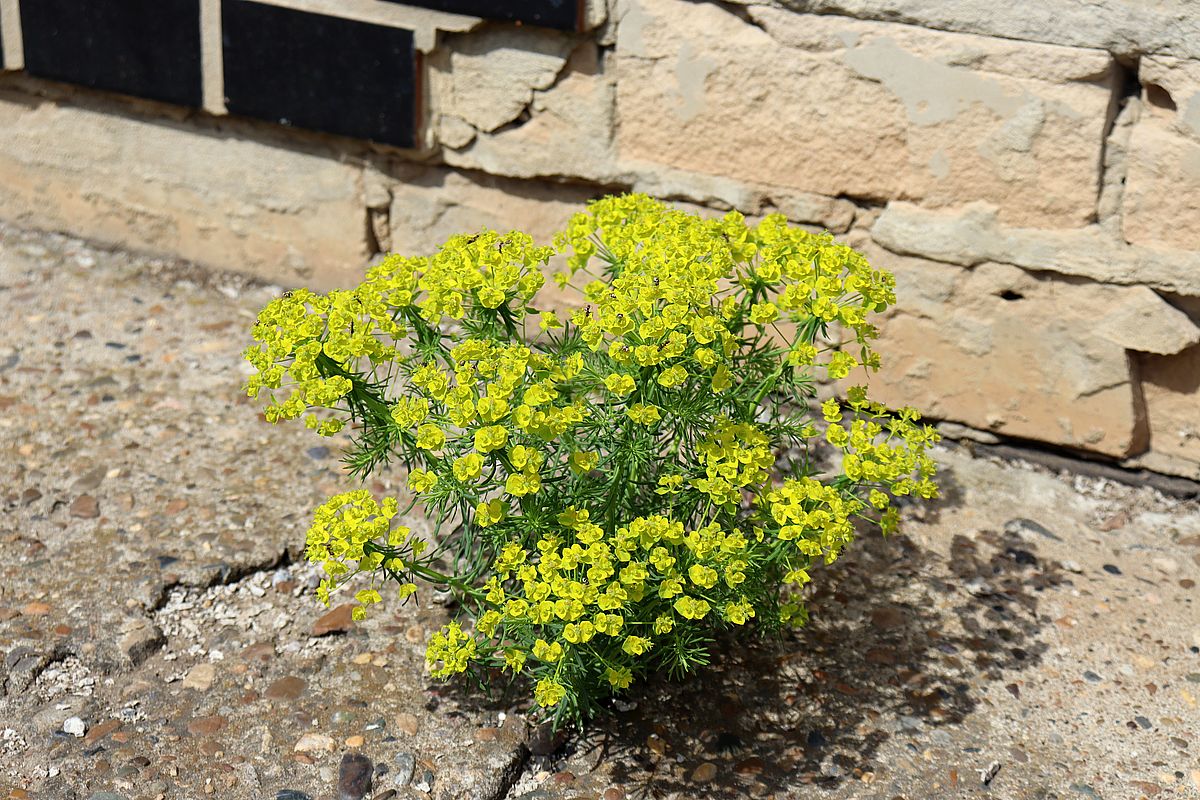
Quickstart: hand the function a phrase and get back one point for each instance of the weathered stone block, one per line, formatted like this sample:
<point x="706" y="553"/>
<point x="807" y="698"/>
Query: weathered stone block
<point x="561" y="115"/>
<point x="487" y="78"/>
<point x="1162" y="185"/>
<point x="1001" y="350"/>
<point x="839" y="106"/>
<point x="1128" y="27"/>
<point x="974" y="234"/>
<point x="1171" y="385"/>
<point x="431" y="204"/>
<point x="206" y="195"/>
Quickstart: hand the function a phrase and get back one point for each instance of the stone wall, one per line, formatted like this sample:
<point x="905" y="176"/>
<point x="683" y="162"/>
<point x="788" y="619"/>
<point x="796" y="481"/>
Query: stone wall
<point x="1031" y="172"/>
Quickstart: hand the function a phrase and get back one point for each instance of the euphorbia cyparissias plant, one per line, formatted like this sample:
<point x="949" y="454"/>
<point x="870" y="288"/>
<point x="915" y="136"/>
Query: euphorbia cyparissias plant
<point x="604" y="480"/>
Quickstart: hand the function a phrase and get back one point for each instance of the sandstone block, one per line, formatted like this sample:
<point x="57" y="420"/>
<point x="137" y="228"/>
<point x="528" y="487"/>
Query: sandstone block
<point x="1162" y="186"/>
<point x="431" y="204"/>
<point x="562" y="122"/>
<point x="974" y="234"/>
<point x="487" y="78"/>
<point x="1127" y="27"/>
<point x="839" y="106"/>
<point x="204" y="194"/>
<point x="1171" y="385"/>
<point x="1000" y="350"/>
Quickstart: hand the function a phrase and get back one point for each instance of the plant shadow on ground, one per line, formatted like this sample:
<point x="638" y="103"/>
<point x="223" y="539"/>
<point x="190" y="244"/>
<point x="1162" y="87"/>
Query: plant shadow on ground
<point x="896" y="636"/>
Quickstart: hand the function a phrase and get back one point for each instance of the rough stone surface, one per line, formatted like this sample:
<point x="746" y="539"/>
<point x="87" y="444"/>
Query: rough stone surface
<point x="431" y="205"/>
<point x="838" y="106"/>
<point x="1134" y="317"/>
<point x="973" y="234"/>
<point x="1171" y="385"/>
<point x="487" y="78"/>
<point x="1162" y="185"/>
<point x="1127" y="27"/>
<point x="567" y="132"/>
<point x="206" y="194"/>
<point x="1028" y="618"/>
<point x="999" y="350"/>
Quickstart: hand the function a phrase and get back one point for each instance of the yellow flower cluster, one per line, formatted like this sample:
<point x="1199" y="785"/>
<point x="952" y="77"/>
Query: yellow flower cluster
<point x="582" y="590"/>
<point x="452" y="649"/>
<point x="614" y="465"/>
<point x="352" y="533"/>
<point x="735" y="457"/>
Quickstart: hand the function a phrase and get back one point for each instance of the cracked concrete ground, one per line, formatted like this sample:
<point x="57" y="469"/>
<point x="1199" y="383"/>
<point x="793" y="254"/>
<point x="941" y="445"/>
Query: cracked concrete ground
<point x="159" y="640"/>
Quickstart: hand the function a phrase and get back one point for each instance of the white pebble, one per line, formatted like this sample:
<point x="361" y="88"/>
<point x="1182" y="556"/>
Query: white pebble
<point x="74" y="726"/>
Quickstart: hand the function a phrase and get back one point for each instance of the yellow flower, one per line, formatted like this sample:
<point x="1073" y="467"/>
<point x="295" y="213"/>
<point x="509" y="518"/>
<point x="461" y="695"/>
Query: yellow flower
<point x="549" y="693"/>
<point x="430" y="437"/>
<point x="620" y="385"/>
<point x="763" y="313"/>
<point x="702" y="576"/>
<point x="549" y="320"/>
<point x="672" y="376"/>
<point x="583" y="462"/>
<point x="644" y="414"/>
<point x="468" y="467"/>
<point x="490" y="512"/>
<point x="420" y="480"/>
<point x="618" y="677"/>
<point x="490" y="438"/>
<point x="691" y="607"/>
<point x="544" y="651"/>
<point x="635" y="645"/>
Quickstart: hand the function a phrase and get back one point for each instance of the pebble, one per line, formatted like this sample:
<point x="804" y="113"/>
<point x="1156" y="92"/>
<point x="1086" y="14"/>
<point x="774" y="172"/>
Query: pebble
<point x="354" y="741"/>
<point x="354" y="776"/>
<point x="406" y="764"/>
<point x="317" y="453"/>
<point x="200" y="677"/>
<point x="1112" y="569"/>
<point x="74" y="726"/>
<point x="311" y="742"/>
<point x="425" y="782"/>
<point x="704" y="773"/>
<point x="337" y="620"/>
<point x="288" y="687"/>
<point x="101" y="730"/>
<point x="206" y="726"/>
<point x="291" y="794"/>
<point x="85" y="507"/>
<point x="407" y="723"/>
<point x="106" y="796"/>
<point x="1091" y="676"/>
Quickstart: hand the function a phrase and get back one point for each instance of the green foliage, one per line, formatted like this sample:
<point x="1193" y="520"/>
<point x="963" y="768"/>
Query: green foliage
<point x="611" y="476"/>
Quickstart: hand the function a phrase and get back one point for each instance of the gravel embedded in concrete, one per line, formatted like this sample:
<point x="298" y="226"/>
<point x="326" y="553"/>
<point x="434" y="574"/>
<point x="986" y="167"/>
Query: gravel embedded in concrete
<point x="1032" y="635"/>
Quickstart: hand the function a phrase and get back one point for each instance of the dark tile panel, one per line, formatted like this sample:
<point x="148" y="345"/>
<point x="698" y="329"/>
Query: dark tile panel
<point x="561" y="14"/>
<point x="146" y="48"/>
<point x="319" y="72"/>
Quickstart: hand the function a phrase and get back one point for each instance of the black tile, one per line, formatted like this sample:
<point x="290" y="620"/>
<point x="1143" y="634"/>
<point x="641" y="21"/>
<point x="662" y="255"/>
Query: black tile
<point x="147" y="48"/>
<point x="319" y="72"/>
<point x="561" y="14"/>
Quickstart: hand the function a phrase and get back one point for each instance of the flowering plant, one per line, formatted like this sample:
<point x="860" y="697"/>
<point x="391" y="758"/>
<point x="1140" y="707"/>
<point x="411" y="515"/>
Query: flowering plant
<point x="605" y="483"/>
